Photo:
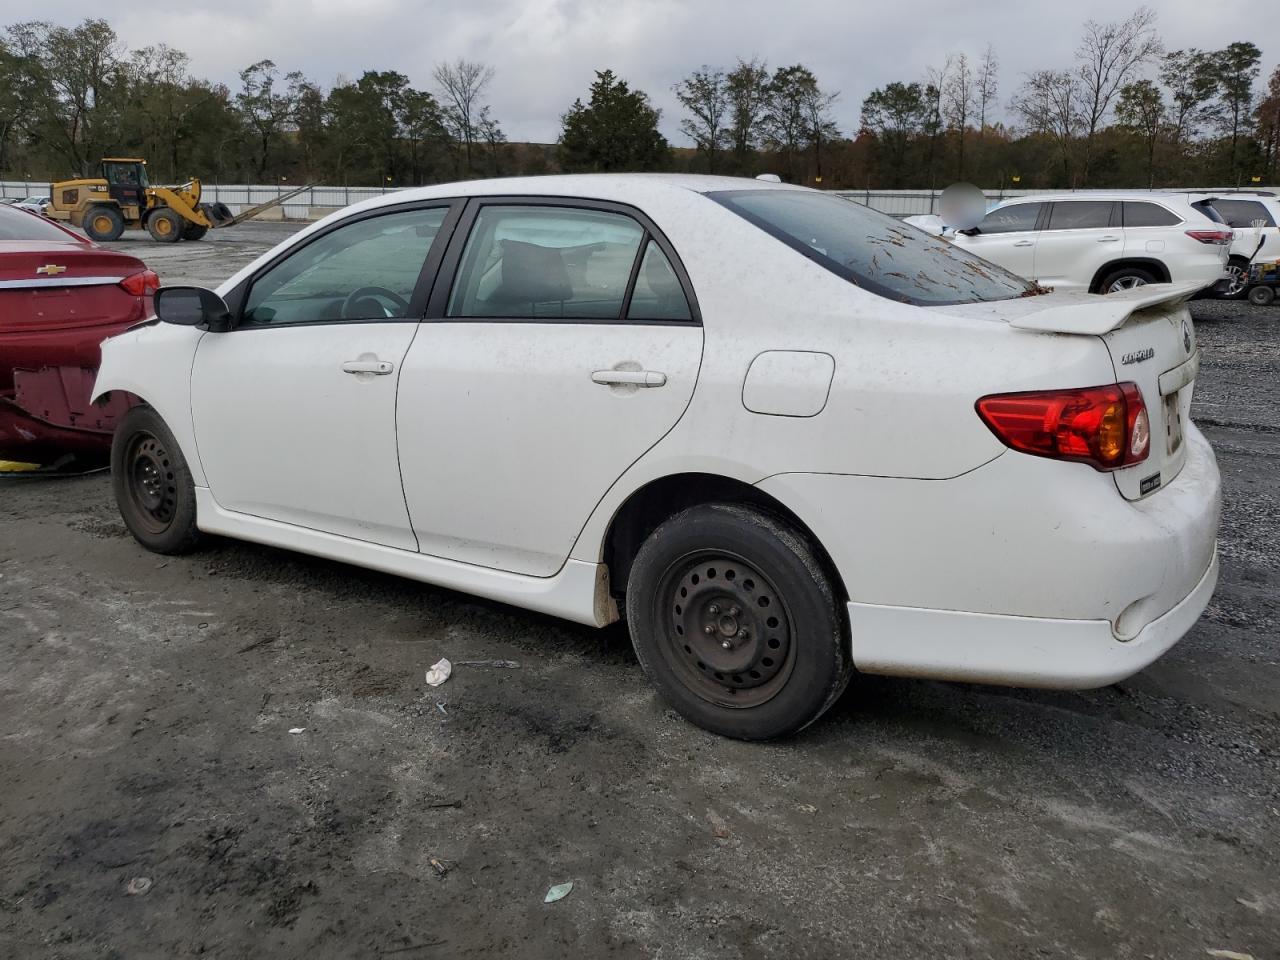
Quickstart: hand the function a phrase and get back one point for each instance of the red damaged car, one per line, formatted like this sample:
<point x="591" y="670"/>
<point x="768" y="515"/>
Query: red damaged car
<point x="60" y="297"/>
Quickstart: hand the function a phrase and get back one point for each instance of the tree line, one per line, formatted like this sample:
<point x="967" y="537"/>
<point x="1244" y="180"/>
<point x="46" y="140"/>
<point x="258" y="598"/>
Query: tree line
<point x="1126" y="112"/>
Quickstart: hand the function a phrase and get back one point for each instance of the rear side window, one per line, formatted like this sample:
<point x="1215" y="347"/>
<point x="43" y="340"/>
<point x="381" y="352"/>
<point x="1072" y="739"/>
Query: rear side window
<point x="658" y="294"/>
<point x="536" y="262"/>
<point x="1243" y="213"/>
<point x="872" y="250"/>
<point x="1080" y="214"/>
<point x="21" y="225"/>
<point x="1138" y="213"/>
<point x="1015" y="218"/>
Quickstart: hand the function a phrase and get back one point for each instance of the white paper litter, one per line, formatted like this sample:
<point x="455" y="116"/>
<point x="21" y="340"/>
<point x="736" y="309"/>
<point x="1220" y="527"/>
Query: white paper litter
<point x="439" y="672"/>
<point x="297" y="730"/>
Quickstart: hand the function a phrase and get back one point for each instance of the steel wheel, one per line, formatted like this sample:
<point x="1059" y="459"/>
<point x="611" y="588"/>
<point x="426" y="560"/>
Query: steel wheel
<point x="727" y="636"/>
<point x="102" y="223"/>
<point x="151" y="483"/>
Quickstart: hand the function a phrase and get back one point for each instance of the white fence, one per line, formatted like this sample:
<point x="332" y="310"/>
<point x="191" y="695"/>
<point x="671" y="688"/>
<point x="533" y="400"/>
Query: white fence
<point x="315" y="202"/>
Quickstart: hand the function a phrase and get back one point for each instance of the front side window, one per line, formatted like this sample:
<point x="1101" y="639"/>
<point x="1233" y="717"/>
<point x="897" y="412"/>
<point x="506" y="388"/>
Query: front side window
<point x="536" y="262"/>
<point x="1243" y="213"/>
<point x="365" y="270"/>
<point x="1080" y="214"/>
<point x="1138" y="213"/>
<point x="872" y="250"/>
<point x="1015" y="218"/>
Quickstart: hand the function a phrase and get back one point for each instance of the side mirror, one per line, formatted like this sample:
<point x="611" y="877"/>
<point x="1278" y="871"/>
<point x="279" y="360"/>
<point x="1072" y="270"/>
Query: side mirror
<point x="971" y="232"/>
<point x="192" y="307"/>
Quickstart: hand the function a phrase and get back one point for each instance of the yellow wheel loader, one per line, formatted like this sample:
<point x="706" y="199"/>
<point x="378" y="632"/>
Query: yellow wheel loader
<point x="124" y="198"/>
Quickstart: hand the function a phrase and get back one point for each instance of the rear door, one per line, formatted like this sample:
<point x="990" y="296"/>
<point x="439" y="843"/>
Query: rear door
<point x="1078" y="239"/>
<point x="568" y="345"/>
<point x="1007" y="236"/>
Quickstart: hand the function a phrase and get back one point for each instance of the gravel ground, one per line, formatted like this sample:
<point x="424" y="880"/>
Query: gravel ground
<point x="147" y="704"/>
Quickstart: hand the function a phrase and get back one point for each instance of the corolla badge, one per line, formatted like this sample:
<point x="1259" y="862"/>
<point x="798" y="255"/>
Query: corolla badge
<point x="1186" y="336"/>
<point x="1137" y="356"/>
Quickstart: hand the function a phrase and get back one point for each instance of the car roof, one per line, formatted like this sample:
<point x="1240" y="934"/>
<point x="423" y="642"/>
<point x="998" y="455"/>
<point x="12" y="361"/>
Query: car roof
<point x="1103" y="195"/>
<point x="621" y="187"/>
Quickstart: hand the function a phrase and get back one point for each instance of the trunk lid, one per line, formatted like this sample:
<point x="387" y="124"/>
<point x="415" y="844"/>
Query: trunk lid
<point x="51" y="285"/>
<point x="1149" y="334"/>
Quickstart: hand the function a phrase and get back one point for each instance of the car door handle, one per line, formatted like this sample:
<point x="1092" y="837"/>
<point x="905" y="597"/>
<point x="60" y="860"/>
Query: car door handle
<point x="1107" y="239"/>
<point x="379" y="368"/>
<point x="639" y="378"/>
<point x="1025" y="243"/>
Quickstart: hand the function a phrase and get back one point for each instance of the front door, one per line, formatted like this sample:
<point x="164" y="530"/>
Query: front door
<point x="294" y="409"/>
<point x="568" y="346"/>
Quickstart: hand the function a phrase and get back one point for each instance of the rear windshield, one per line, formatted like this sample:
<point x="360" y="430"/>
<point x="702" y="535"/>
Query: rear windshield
<point x="21" y="225"/>
<point x="872" y="250"/>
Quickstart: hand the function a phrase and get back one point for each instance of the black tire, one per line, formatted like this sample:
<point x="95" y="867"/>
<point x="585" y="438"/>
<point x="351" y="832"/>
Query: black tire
<point x="750" y="582"/>
<point x="194" y="231"/>
<point x="165" y="226"/>
<point x="102" y="223"/>
<point x="1125" y="278"/>
<point x="152" y="483"/>
<point x="1237" y="287"/>
<point x="1262" y="296"/>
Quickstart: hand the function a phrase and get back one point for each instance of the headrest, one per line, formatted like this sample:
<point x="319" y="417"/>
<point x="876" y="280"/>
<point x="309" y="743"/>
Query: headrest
<point x="531" y="274"/>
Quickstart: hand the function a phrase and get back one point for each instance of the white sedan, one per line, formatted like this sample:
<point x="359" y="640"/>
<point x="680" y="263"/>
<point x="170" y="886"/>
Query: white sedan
<point x="783" y="435"/>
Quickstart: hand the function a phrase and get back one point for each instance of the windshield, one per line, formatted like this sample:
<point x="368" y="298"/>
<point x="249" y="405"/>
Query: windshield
<point x="21" y="225"/>
<point x="872" y="250"/>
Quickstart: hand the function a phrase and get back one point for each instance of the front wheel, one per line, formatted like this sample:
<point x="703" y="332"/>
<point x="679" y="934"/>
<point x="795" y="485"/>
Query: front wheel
<point x="736" y="623"/>
<point x="1236" y="284"/>
<point x="152" y="483"/>
<point x="165" y="226"/>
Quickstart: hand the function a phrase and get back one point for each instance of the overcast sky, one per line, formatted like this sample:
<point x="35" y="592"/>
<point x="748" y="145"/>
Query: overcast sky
<point x="545" y="51"/>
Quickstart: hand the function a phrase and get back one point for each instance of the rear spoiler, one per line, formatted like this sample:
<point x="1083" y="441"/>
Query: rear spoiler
<point x="1102" y="314"/>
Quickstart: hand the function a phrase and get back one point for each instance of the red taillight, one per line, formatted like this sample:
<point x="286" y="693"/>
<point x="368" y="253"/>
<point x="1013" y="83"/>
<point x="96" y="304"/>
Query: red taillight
<point x="1211" y="236"/>
<point x="141" y="284"/>
<point x="1106" y="427"/>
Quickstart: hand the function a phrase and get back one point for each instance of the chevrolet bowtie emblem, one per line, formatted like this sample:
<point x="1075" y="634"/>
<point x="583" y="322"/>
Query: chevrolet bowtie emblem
<point x="49" y="269"/>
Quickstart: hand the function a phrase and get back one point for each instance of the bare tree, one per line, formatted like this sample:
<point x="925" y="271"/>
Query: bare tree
<point x="936" y="81"/>
<point x="987" y="86"/>
<point x="1108" y="55"/>
<point x="1048" y="104"/>
<point x="958" y="99"/>
<point x="462" y="84"/>
<point x="705" y="95"/>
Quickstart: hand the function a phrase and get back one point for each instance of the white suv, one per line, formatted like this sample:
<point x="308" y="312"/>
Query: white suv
<point x="1254" y="218"/>
<point x="1103" y="242"/>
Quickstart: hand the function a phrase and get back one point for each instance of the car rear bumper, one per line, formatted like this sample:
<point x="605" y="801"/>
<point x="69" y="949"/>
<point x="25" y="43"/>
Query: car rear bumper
<point x="1024" y="571"/>
<point x="1015" y="651"/>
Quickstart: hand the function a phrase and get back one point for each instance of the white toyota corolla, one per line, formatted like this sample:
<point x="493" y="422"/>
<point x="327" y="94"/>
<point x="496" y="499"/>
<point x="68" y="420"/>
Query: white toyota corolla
<point x="785" y="436"/>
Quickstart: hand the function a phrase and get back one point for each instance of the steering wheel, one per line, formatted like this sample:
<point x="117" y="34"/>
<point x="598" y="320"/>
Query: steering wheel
<point x="373" y="293"/>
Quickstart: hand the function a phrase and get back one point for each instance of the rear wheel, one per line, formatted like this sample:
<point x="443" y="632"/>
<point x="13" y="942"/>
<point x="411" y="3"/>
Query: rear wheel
<point x="194" y="231"/>
<point x="1262" y="296"/>
<point x="103" y="224"/>
<point x="165" y="226"/>
<point x="1126" y="278"/>
<point x="153" y="484"/>
<point x="736" y="623"/>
